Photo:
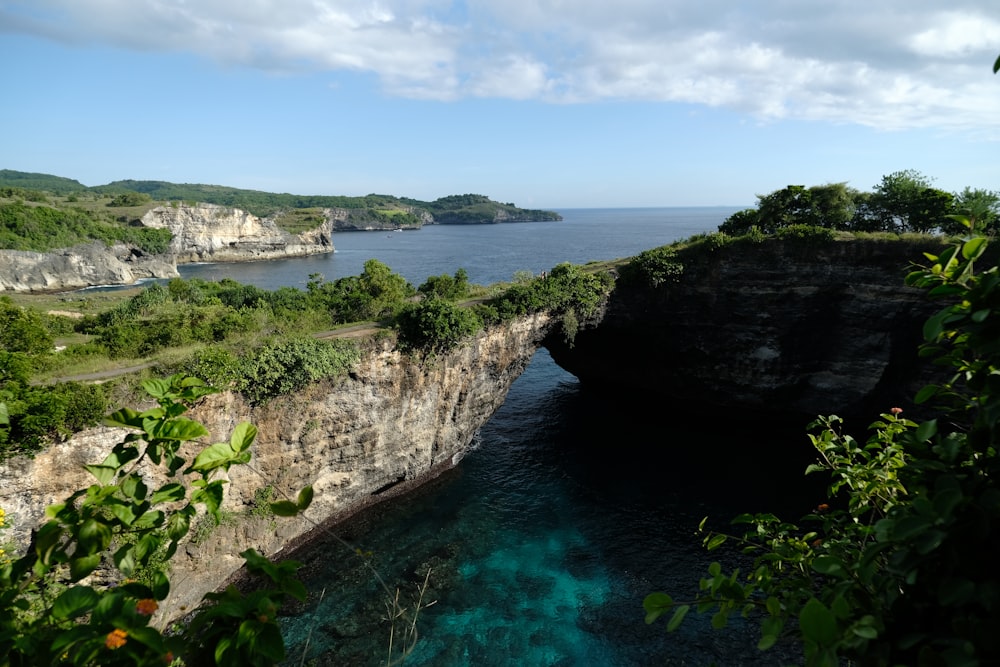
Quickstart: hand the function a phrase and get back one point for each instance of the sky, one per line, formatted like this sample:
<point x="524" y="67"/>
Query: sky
<point x="543" y="103"/>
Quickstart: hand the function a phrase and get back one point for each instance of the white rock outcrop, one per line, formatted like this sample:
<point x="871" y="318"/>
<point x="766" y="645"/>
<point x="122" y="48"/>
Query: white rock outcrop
<point x="81" y="266"/>
<point x="210" y="233"/>
<point x="201" y="233"/>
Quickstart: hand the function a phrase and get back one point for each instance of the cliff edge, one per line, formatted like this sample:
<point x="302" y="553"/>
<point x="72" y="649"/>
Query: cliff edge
<point x="764" y="330"/>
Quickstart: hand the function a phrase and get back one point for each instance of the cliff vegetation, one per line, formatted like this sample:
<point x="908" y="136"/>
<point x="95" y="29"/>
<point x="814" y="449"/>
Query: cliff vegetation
<point x="258" y="342"/>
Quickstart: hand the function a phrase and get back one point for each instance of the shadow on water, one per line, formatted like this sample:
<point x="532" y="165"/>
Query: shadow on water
<point x="543" y="543"/>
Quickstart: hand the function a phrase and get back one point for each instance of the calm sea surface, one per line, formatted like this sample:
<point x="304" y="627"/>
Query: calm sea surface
<point x="572" y="507"/>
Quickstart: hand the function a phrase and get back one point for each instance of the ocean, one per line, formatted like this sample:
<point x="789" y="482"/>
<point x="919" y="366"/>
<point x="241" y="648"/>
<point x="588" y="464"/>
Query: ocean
<point x="573" y="505"/>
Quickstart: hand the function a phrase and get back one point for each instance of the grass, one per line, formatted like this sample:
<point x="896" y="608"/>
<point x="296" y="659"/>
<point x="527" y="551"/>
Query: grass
<point x="298" y="220"/>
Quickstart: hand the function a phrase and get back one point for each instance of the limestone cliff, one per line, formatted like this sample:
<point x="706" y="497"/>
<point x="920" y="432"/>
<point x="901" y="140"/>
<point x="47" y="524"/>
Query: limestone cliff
<point x="762" y="330"/>
<point x="210" y="233"/>
<point x="201" y="233"/>
<point x="82" y="266"/>
<point x="394" y="422"/>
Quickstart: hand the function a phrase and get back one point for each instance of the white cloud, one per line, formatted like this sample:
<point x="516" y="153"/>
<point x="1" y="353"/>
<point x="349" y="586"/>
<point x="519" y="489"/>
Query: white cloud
<point x="893" y="64"/>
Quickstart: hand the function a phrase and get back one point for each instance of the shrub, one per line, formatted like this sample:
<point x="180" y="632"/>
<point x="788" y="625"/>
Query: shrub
<point x="282" y="366"/>
<point x="435" y="325"/>
<point x="447" y="287"/>
<point x="653" y="268"/>
<point x="23" y="330"/>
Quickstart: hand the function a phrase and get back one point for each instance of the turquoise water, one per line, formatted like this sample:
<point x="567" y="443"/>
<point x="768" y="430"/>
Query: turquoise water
<point x="573" y="505"/>
<point x="544" y="541"/>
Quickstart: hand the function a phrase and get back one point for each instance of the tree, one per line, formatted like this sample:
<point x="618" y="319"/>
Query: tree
<point x="831" y="205"/>
<point x="905" y="201"/>
<point x="981" y="207"/>
<point x="741" y="222"/>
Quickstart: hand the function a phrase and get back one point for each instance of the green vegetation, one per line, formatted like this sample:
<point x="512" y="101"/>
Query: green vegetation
<point x="44" y="182"/>
<point x="903" y="201"/>
<point x="450" y="288"/>
<point x="53" y="612"/>
<point x="382" y="208"/>
<point x="26" y="226"/>
<point x="466" y="209"/>
<point x="895" y="566"/>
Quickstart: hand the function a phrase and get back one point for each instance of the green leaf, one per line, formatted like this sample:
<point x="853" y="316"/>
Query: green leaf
<point x="773" y="606"/>
<point x="81" y="567"/>
<point x="125" y="417"/>
<point x="243" y="436"/>
<point x="123" y="512"/>
<point x="830" y="565"/>
<point x="157" y="387"/>
<point x="305" y="498"/>
<point x="179" y="428"/>
<point x="124" y="559"/>
<point x="284" y="508"/>
<point x="102" y="473"/>
<point x="926" y="430"/>
<point x="211" y="495"/>
<point x="160" y="585"/>
<point x="133" y="487"/>
<point x="168" y="493"/>
<point x="720" y="619"/>
<point x="974" y="247"/>
<point x="770" y="630"/>
<point x="152" y="519"/>
<point x="214" y="456"/>
<point x="818" y="624"/>
<point x="75" y="601"/>
<point x="656" y="604"/>
<point x="94" y="536"/>
<point x="678" y="617"/>
<point x="178" y="525"/>
<point x="927" y="393"/>
<point x="715" y="542"/>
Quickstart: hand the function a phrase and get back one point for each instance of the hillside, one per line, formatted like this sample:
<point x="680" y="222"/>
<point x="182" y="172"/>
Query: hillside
<point x="402" y="211"/>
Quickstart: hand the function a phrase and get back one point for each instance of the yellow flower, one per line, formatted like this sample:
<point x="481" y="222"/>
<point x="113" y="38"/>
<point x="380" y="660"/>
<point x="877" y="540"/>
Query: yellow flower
<point x="115" y="639"/>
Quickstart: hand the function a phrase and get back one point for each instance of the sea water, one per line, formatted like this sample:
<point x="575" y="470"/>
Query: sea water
<point x="574" y="504"/>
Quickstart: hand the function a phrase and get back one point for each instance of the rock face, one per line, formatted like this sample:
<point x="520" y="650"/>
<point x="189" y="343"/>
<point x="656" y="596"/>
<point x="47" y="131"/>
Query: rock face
<point x="82" y="266"/>
<point x="201" y="233"/>
<point x="770" y="329"/>
<point x="391" y="424"/>
<point x="210" y="233"/>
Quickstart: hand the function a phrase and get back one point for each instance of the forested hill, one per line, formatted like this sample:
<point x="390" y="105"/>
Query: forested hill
<point x="455" y="209"/>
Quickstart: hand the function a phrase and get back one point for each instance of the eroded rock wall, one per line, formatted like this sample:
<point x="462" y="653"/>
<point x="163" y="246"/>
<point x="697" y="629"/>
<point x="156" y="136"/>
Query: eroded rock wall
<point x="82" y="266"/>
<point x="775" y="328"/>
<point x="393" y="423"/>
<point x="210" y="233"/>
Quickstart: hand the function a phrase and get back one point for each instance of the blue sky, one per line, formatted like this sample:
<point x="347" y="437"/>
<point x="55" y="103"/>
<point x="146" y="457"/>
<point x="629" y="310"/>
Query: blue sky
<point x="544" y="103"/>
